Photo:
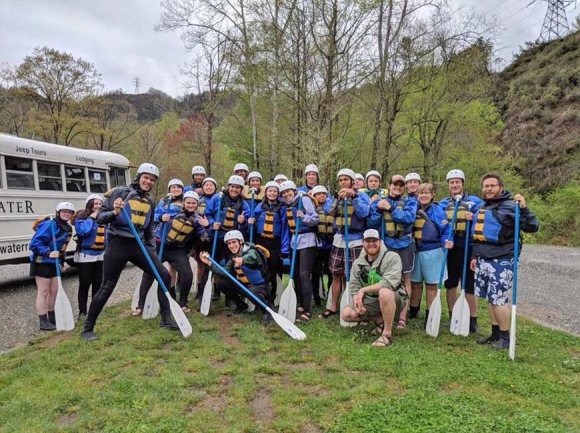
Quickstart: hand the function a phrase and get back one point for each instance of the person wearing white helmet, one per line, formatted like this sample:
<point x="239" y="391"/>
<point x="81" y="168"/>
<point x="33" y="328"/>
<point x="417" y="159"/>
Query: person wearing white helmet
<point x="373" y="183"/>
<point x="359" y="181"/>
<point x="326" y="236"/>
<point x="181" y="231"/>
<point x="249" y="264"/>
<point x="393" y="217"/>
<point x="376" y="289"/>
<point x="279" y="178"/>
<point x="412" y="182"/>
<point x="91" y="242"/>
<point x="357" y="210"/>
<point x="306" y="243"/>
<point x="311" y="178"/>
<point x="455" y="183"/>
<point x="122" y="246"/>
<point x="233" y="212"/>
<point x="253" y="193"/>
<point x="197" y="176"/>
<point x="272" y="231"/>
<point x="44" y="258"/>
<point x="241" y="169"/>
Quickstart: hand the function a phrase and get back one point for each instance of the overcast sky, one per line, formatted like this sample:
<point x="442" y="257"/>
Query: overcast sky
<point x="117" y="36"/>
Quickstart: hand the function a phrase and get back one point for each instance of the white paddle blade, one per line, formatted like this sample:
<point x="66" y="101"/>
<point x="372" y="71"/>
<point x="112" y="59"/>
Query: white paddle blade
<point x="288" y="302"/>
<point x="151" y="308"/>
<point x="63" y="312"/>
<point x="206" y="298"/>
<point x="179" y="316"/>
<point x="279" y="290"/>
<point x="434" y="318"/>
<point x="329" y="299"/>
<point x="512" y="348"/>
<point x="460" y="317"/>
<point x="321" y="288"/>
<point x="289" y="328"/>
<point x="193" y="264"/>
<point x="345" y="301"/>
<point x="135" y="301"/>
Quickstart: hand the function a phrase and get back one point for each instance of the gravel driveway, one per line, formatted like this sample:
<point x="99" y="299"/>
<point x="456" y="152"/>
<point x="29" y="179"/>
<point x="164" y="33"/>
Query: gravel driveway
<point x="548" y="292"/>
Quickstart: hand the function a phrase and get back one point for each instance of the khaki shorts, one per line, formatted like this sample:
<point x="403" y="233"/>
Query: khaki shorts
<point x="371" y="303"/>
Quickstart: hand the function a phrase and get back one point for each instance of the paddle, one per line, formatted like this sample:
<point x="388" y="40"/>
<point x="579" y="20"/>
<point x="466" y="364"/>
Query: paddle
<point x="288" y="327"/>
<point x="288" y="299"/>
<point x="279" y="289"/>
<point x="151" y="308"/>
<point x="460" y="313"/>
<point x="512" y="348"/>
<point x="178" y="314"/>
<point x="207" y="290"/>
<point x="434" y="318"/>
<point x="63" y="312"/>
<point x="346" y="298"/>
<point x="251" y="306"/>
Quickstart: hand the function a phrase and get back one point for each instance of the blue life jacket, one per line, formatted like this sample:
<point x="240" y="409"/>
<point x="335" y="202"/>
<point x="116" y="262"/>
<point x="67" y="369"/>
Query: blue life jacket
<point x="255" y="275"/>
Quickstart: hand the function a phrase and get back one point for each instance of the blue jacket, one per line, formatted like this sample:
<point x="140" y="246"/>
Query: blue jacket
<point x="239" y="205"/>
<point x="41" y="244"/>
<point x="402" y="216"/>
<point x="87" y="230"/>
<point x="467" y="203"/>
<point x="280" y="226"/>
<point x="161" y="209"/>
<point x="435" y="230"/>
<point x="494" y="220"/>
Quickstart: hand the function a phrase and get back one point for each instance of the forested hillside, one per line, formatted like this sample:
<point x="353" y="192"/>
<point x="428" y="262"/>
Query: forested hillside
<point x="339" y="91"/>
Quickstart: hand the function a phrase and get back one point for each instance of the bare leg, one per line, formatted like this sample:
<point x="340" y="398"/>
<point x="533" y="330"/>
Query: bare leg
<point x="416" y="293"/>
<point x="43" y="290"/>
<point x="431" y="293"/>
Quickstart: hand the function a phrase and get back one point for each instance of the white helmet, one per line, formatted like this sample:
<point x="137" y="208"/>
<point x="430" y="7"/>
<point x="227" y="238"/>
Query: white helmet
<point x="209" y="179"/>
<point x="94" y="197"/>
<point x="359" y="176"/>
<point x="174" y="182"/>
<point x="412" y="176"/>
<point x="456" y="174"/>
<point x="319" y="188"/>
<point x="273" y="185"/>
<point x="255" y="174"/>
<point x="236" y="180"/>
<point x="311" y="167"/>
<point x="241" y="166"/>
<point x="197" y="169"/>
<point x="234" y="234"/>
<point x="288" y="184"/>
<point x="148" y="168"/>
<point x="65" y="205"/>
<point x="373" y="173"/>
<point x="191" y="194"/>
<point x="280" y="177"/>
<point x="345" y="172"/>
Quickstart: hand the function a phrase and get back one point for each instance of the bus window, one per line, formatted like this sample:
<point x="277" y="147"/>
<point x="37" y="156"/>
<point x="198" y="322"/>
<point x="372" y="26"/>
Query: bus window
<point x="19" y="174"/>
<point x="117" y="176"/>
<point x="75" y="178"/>
<point x="98" y="181"/>
<point x="49" y="178"/>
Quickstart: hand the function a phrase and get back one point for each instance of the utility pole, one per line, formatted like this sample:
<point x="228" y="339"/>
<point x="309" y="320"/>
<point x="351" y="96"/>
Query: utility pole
<point x="555" y="23"/>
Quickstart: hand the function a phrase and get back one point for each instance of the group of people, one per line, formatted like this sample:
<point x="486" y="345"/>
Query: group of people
<point x="385" y="244"/>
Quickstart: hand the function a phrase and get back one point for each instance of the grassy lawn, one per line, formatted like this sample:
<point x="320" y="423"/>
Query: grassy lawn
<point x="233" y="374"/>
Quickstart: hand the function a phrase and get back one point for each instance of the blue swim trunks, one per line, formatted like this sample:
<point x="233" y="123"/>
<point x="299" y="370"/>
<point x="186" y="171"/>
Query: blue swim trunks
<point x="493" y="279"/>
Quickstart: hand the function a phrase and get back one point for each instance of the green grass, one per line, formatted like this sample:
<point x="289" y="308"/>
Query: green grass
<point x="235" y="375"/>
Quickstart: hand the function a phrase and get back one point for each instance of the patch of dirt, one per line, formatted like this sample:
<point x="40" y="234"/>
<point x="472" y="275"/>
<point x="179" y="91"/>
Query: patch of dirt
<point x="54" y="340"/>
<point x="574" y="354"/>
<point x="213" y="402"/>
<point x="261" y="406"/>
<point x="297" y="365"/>
<point x="125" y="313"/>
<point x="310" y="428"/>
<point x="67" y="419"/>
<point x="225" y="330"/>
<point x="226" y="380"/>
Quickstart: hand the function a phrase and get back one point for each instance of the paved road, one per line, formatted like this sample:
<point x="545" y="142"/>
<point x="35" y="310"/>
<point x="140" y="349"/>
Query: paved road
<point x="548" y="292"/>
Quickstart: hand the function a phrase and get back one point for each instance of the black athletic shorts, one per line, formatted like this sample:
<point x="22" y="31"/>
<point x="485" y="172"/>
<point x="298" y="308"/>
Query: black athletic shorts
<point x="455" y="269"/>
<point x="44" y="270"/>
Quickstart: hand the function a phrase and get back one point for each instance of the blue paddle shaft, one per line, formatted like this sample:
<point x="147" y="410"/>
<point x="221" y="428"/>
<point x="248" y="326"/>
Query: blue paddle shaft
<point x="143" y="249"/>
<point x="164" y="232"/>
<point x="465" y="254"/>
<point x="52" y="225"/>
<point x="240" y="285"/>
<point x="516" y="253"/>
<point x="446" y="252"/>
<point x="215" y="233"/>
<point x="346" y="263"/>
<point x="295" y="239"/>
<point x="252" y="216"/>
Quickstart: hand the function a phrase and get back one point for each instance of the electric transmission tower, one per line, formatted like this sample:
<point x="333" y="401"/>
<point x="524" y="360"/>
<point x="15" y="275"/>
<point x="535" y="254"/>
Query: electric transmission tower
<point x="555" y="23"/>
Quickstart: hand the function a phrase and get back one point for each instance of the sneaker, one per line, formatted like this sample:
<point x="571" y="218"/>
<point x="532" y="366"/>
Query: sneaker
<point x="475" y="330"/>
<point x="88" y="335"/>
<point x="488" y="340"/>
<point x="241" y="309"/>
<point x="266" y="318"/>
<point x="82" y="316"/>
<point x="502" y="343"/>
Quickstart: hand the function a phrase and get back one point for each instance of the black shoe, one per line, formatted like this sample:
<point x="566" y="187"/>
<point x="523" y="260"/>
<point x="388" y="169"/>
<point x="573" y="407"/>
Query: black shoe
<point x="51" y="317"/>
<point x="502" y="343"/>
<point x="45" y="324"/>
<point x="241" y="309"/>
<point x="88" y="334"/>
<point x="167" y="322"/>
<point x="82" y="316"/>
<point x="474" y="330"/>
<point x="447" y="324"/>
<point x="488" y="340"/>
<point x="266" y="319"/>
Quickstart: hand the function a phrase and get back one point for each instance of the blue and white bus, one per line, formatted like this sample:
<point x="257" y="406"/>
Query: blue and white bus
<point x="35" y="176"/>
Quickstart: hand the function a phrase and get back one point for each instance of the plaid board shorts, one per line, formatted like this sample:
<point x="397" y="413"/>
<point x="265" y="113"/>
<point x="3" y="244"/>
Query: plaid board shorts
<point x="493" y="279"/>
<point x="336" y="264"/>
